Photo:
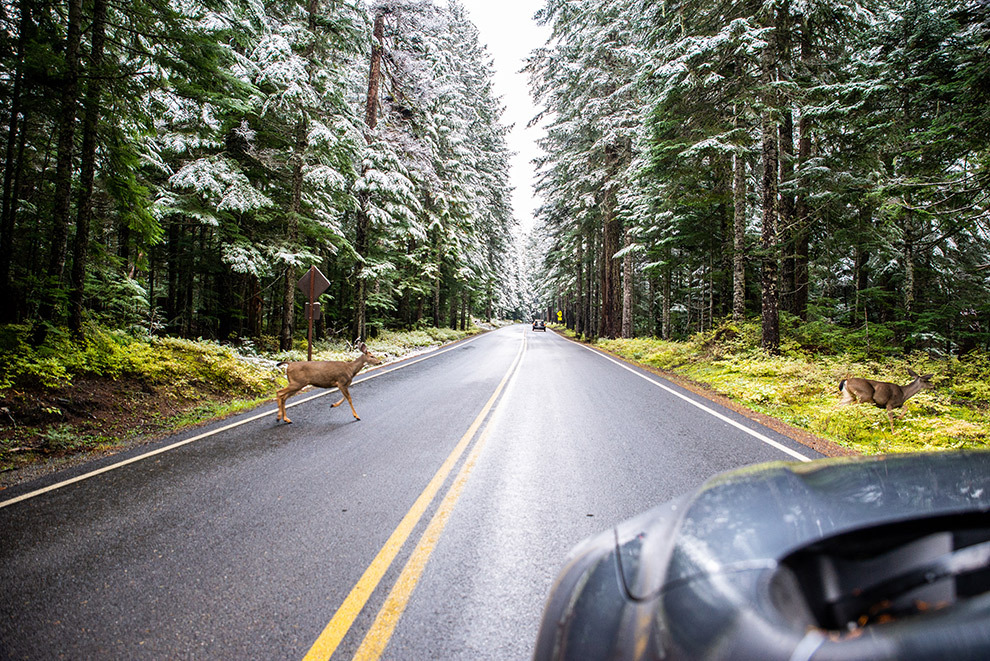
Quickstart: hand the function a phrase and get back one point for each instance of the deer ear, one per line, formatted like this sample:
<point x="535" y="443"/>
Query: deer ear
<point x="926" y="377"/>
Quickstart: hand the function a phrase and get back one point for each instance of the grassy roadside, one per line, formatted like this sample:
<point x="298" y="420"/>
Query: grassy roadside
<point x="800" y="388"/>
<point x="66" y="402"/>
<point x="69" y="401"/>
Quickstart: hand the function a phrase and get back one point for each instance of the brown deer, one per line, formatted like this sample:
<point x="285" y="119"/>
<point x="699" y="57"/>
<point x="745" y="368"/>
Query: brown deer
<point x="323" y="374"/>
<point x="881" y="394"/>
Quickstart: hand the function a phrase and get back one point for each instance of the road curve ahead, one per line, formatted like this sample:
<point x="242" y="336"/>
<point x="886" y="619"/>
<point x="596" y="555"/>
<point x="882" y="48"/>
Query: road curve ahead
<point x="430" y="529"/>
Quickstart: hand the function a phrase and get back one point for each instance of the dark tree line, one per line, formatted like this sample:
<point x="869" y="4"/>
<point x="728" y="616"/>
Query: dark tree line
<point x="824" y="160"/>
<point x="176" y="167"/>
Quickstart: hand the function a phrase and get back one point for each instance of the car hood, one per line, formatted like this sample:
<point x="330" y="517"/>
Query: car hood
<point x="752" y="518"/>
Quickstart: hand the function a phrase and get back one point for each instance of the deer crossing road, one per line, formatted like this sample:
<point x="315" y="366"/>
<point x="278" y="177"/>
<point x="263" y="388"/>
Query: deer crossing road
<point x="431" y="528"/>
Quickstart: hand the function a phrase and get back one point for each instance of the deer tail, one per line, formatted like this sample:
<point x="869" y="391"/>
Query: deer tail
<point x="842" y="385"/>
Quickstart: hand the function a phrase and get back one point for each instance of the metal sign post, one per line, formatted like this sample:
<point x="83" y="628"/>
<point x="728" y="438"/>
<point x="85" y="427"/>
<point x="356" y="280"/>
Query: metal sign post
<point x="312" y="284"/>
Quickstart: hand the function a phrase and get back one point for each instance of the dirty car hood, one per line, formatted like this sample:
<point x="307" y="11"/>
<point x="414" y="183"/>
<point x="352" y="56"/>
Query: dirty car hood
<point x="752" y="518"/>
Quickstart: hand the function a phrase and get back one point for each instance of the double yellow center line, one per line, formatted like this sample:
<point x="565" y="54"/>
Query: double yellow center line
<point x="388" y="617"/>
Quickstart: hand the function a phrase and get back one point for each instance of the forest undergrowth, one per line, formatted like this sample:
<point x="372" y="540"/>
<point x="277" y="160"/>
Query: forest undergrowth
<point x="67" y="401"/>
<point x="800" y="386"/>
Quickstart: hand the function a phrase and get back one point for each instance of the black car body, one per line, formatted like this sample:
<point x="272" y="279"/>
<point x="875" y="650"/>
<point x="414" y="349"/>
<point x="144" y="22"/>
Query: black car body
<point x="539" y="325"/>
<point x="855" y="558"/>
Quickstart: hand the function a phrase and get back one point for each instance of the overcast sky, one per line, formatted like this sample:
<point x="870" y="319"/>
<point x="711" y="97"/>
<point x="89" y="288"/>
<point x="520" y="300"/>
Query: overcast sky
<point x="508" y="29"/>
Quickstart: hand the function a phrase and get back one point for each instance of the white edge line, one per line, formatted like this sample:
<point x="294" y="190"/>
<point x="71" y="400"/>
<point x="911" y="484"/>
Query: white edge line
<point x="723" y="418"/>
<point x="85" y="476"/>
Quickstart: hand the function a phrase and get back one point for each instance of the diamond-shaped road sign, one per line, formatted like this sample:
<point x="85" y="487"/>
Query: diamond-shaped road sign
<point x="313" y="283"/>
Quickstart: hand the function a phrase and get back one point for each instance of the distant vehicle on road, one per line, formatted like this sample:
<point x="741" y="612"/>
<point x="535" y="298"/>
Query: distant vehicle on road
<point x="539" y="325"/>
<point x="853" y="558"/>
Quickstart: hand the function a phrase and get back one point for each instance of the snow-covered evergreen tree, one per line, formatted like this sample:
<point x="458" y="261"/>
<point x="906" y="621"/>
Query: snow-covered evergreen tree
<point x="442" y="205"/>
<point x="586" y="79"/>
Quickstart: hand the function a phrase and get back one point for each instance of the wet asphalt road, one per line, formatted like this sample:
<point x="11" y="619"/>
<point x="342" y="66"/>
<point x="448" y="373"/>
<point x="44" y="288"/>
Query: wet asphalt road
<point x="477" y="467"/>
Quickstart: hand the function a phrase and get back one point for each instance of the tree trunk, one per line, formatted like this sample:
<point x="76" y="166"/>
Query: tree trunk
<point x="725" y="249"/>
<point x="172" y="288"/>
<point x="711" y="292"/>
<point x="8" y="209"/>
<point x="770" y="303"/>
<point x="363" y="224"/>
<point x="611" y="321"/>
<point x="452" y="312"/>
<point x="786" y="222"/>
<point x="255" y="311"/>
<point x="627" y="289"/>
<point x="375" y="74"/>
<point x="802" y="231"/>
<point x="292" y="235"/>
<point x="295" y="204"/>
<point x="770" y="295"/>
<point x="11" y="310"/>
<point x="63" y="169"/>
<point x="665" y="286"/>
<point x="739" y="237"/>
<point x="579" y="317"/>
<point x="861" y="259"/>
<point x="84" y="212"/>
<point x="652" y="294"/>
<point x="591" y="321"/>
<point x="187" y="282"/>
<point x="802" y="210"/>
<point x="592" y="281"/>
<point x="909" y="262"/>
<point x="436" y="303"/>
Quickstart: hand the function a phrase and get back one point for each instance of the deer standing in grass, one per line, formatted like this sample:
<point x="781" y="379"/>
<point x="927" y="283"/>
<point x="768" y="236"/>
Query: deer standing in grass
<point x="323" y="374"/>
<point x="881" y="394"/>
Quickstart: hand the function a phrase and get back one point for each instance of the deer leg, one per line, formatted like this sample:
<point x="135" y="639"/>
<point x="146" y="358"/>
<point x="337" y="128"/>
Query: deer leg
<point x="280" y="398"/>
<point x="347" y="395"/>
<point x="890" y="416"/>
